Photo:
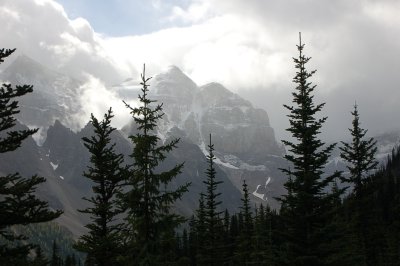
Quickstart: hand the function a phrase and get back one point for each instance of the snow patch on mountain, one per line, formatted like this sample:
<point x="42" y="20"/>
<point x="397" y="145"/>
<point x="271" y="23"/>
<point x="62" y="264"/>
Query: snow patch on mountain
<point x="55" y="166"/>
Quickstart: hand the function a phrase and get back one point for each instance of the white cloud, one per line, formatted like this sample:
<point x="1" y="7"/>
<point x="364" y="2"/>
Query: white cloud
<point x="42" y="30"/>
<point x="234" y="51"/>
<point x="96" y="99"/>
<point x="196" y="12"/>
<point x="246" y="45"/>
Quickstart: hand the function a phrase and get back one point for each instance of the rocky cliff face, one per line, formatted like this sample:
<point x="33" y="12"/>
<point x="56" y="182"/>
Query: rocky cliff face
<point x="244" y="140"/>
<point x="55" y="96"/>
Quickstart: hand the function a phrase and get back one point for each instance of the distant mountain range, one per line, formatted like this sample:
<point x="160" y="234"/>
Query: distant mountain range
<point x="244" y="140"/>
<point x="245" y="143"/>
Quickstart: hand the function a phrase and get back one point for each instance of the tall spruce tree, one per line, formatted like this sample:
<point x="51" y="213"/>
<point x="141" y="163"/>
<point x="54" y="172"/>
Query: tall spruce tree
<point x="149" y="199"/>
<point x="212" y="249"/>
<point x="359" y="154"/>
<point x="103" y="242"/>
<point x="360" y="157"/>
<point x="56" y="260"/>
<point x="18" y="203"/>
<point x="244" y="246"/>
<point x="307" y="154"/>
<point x="198" y="229"/>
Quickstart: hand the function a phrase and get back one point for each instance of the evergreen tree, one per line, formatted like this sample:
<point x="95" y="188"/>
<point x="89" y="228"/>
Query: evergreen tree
<point x="55" y="256"/>
<point x="18" y="203"/>
<point x="40" y="259"/>
<point x="185" y="243"/>
<point x="197" y="232"/>
<point x="193" y="240"/>
<point x="228" y="241"/>
<point x="150" y="196"/>
<point x="244" y="246"/>
<point x="103" y="241"/>
<point x="360" y="157"/>
<point x="306" y="200"/>
<point x="340" y="247"/>
<point x="212" y="248"/>
<point x="359" y="154"/>
<point x="263" y="247"/>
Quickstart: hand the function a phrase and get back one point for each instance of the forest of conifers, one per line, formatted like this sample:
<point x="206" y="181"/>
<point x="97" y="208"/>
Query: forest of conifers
<point x="350" y="218"/>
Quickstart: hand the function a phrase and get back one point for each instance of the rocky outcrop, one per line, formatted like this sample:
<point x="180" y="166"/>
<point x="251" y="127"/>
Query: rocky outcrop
<point x="54" y="97"/>
<point x="244" y="140"/>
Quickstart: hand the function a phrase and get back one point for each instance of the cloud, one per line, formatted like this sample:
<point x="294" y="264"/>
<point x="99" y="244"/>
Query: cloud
<point x="196" y="12"/>
<point x="42" y="30"/>
<point x="354" y="45"/>
<point x="246" y="45"/>
<point x="225" y="49"/>
<point x="96" y="99"/>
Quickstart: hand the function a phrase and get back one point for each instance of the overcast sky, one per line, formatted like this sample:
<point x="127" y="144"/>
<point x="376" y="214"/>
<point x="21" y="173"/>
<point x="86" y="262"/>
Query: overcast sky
<point x="245" y="45"/>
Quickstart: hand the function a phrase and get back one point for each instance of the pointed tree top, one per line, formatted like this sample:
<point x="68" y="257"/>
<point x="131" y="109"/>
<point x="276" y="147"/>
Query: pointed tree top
<point x="300" y="38"/>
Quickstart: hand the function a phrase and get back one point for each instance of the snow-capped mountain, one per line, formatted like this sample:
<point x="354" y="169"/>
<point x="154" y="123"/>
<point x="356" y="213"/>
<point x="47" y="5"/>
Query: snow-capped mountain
<point x="245" y="144"/>
<point x="55" y="96"/>
<point x="243" y="138"/>
<point x="244" y="141"/>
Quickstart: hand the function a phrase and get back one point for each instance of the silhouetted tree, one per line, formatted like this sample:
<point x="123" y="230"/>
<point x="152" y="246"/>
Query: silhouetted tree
<point x="304" y="205"/>
<point x="359" y="154"/>
<point x="244" y="245"/>
<point x="212" y="249"/>
<point x="149" y="198"/>
<point x="18" y="203"/>
<point x="55" y="255"/>
<point x="103" y="242"/>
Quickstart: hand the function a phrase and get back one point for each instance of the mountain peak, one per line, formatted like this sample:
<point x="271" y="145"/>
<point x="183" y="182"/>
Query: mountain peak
<point x="25" y="61"/>
<point x="172" y="81"/>
<point x="24" y="68"/>
<point x="173" y="68"/>
<point x="215" y="86"/>
<point x="174" y="74"/>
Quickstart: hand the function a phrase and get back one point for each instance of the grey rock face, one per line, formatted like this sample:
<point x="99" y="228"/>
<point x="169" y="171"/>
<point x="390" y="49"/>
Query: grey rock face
<point x="244" y="140"/>
<point x="54" y="97"/>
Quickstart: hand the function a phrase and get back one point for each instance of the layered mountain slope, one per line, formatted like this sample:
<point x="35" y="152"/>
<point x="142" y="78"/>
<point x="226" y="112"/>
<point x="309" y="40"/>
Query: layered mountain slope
<point x="55" y="96"/>
<point x="244" y="140"/>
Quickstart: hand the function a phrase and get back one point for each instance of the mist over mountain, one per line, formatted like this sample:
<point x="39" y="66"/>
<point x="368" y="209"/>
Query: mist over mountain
<point x="55" y="97"/>
<point x="246" y="148"/>
<point x="244" y="140"/>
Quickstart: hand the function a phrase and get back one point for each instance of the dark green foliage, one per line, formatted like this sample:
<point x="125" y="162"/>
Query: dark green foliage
<point x="360" y="158"/>
<point x="303" y="207"/>
<point x="42" y="236"/>
<point x="264" y="242"/>
<point x="55" y="256"/>
<point x="18" y="204"/>
<point x="70" y="261"/>
<point x="103" y="243"/>
<point x="359" y="154"/>
<point x="244" y="245"/>
<point x="199" y="229"/>
<point x="148" y="201"/>
<point x="212" y="248"/>
<point x="40" y="259"/>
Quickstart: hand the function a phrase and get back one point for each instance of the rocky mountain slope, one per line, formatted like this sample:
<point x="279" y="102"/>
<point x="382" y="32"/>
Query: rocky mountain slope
<point x="55" y="95"/>
<point x="244" y="140"/>
<point x="245" y="143"/>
